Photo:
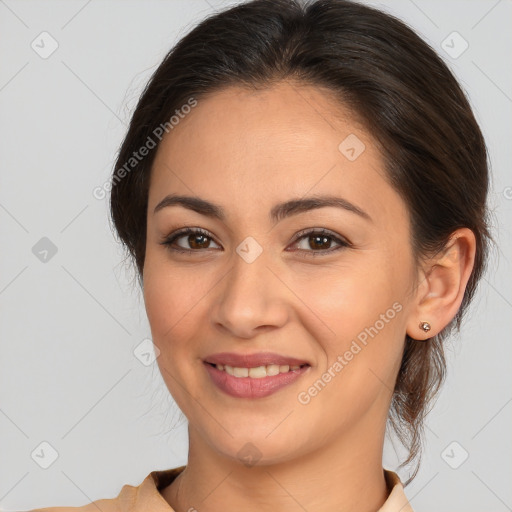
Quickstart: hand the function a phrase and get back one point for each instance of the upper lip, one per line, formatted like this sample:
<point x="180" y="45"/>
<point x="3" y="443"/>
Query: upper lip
<point x="253" y="360"/>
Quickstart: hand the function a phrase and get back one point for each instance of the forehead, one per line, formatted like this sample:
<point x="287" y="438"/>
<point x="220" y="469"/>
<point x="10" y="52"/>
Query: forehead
<point x="249" y="148"/>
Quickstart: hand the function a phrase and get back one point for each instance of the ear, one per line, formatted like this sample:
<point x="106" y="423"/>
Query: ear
<point x="442" y="283"/>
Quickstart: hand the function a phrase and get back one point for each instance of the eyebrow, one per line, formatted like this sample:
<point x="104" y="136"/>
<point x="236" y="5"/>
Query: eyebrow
<point x="277" y="213"/>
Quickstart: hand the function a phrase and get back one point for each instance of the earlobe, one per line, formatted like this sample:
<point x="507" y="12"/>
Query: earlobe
<point x="442" y="289"/>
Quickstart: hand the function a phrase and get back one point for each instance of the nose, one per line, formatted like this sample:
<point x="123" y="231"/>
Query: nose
<point x="251" y="300"/>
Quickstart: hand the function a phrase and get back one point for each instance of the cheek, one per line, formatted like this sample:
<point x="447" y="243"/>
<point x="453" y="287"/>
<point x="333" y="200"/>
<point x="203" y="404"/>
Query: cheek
<point x="361" y="311"/>
<point x="348" y="298"/>
<point x="162" y="303"/>
<point x="166" y="303"/>
<point x="172" y="299"/>
<point x="171" y="296"/>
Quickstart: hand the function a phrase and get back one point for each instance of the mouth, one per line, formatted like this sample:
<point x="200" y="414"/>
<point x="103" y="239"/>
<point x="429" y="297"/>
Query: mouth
<point x="257" y="372"/>
<point x="255" y="360"/>
<point x="253" y="376"/>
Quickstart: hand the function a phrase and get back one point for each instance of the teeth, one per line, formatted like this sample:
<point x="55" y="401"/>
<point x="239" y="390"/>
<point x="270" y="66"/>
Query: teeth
<point x="261" y="371"/>
<point x="271" y="369"/>
<point x="258" y="372"/>
<point x="240" y="372"/>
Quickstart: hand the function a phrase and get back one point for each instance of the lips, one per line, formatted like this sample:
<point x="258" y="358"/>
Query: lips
<point x="253" y="360"/>
<point x="257" y="386"/>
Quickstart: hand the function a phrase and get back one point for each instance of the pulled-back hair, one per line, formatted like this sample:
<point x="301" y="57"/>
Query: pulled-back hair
<point x="400" y="89"/>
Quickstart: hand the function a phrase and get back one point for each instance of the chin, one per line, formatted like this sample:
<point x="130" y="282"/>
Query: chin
<point x="257" y="449"/>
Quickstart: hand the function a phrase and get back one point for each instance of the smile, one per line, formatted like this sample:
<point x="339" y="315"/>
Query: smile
<point x="258" y="372"/>
<point x="254" y="382"/>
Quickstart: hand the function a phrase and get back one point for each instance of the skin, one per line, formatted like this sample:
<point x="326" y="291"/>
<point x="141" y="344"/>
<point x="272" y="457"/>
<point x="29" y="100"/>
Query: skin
<point x="246" y="151"/>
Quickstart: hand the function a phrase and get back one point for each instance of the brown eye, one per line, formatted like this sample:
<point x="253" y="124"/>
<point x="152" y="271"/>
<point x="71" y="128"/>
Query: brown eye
<point x="188" y="240"/>
<point x="198" y="241"/>
<point x="319" y="242"/>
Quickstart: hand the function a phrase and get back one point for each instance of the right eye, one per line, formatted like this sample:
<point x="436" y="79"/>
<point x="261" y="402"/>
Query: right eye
<point x="197" y="239"/>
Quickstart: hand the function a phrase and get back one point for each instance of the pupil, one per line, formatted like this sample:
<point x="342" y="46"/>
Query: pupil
<point x="322" y="239"/>
<point x="196" y="241"/>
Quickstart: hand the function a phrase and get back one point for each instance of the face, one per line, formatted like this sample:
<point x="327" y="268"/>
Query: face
<point x="329" y="286"/>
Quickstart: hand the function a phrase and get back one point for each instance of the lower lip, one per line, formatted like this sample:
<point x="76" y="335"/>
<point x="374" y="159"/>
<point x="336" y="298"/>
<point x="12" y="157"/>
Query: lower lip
<point x="248" y="387"/>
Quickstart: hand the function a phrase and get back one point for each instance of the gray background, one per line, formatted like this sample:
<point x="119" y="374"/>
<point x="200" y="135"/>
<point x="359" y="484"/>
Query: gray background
<point x="70" y="321"/>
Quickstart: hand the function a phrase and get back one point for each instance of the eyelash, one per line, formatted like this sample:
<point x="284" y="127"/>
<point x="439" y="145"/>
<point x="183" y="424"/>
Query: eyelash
<point x="169" y="240"/>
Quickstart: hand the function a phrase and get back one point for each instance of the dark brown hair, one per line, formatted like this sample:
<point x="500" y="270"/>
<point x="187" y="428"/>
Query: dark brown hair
<point x="407" y="99"/>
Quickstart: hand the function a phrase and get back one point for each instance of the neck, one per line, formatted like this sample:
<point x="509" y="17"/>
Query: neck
<point x="346" y="475"/>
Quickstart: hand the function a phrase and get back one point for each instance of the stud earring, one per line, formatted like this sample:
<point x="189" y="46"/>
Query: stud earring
<point x="425" y="326"/>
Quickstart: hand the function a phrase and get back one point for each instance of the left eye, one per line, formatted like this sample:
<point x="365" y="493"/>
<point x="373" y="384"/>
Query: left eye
<point x="319" y="241"/>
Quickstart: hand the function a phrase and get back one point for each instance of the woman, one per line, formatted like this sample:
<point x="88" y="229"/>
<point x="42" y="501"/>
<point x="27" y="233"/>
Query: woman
<point x="302" y="189"/>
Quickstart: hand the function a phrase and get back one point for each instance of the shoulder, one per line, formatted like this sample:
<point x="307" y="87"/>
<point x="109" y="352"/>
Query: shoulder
<point x="130" y="498"/>
<point x="127" y="494"/>
<point x="105" y="505"/>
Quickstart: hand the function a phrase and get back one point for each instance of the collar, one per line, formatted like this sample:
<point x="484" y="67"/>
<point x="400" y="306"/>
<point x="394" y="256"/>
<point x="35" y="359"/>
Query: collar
<point x="148" y="492"/>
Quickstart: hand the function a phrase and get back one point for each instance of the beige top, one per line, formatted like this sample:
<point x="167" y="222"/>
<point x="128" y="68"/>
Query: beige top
<point x="146" y="496"/>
